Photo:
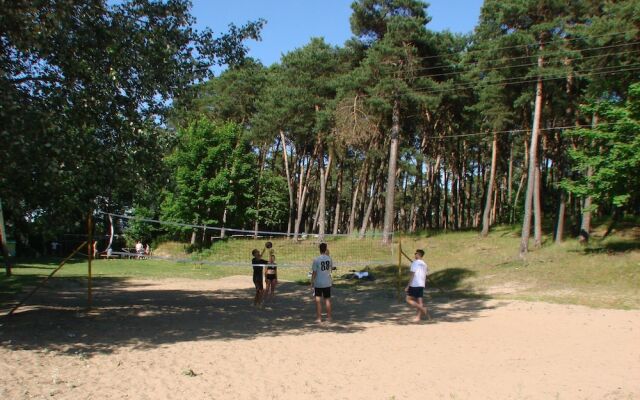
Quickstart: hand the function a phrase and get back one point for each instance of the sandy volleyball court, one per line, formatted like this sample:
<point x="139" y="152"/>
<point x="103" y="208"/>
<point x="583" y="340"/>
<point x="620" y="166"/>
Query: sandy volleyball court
<point x="194" y="339"/>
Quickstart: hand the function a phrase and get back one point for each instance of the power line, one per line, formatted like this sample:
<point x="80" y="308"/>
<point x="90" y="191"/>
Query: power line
<point x="524" y="79"/>
<point x="532" y="44"/>
<point x="571" y="127"/>
<point x="550" y="60"/>
<point x="549" y="56"/>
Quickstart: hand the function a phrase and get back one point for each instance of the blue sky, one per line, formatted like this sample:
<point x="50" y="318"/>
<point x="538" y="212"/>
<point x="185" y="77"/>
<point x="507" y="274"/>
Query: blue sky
<point x="291" y="23"/>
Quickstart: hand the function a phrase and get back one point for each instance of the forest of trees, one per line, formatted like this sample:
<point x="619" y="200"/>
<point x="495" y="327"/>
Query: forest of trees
<point x="532" y="120"/>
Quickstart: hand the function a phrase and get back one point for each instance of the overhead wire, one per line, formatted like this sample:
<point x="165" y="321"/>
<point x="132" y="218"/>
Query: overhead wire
<point x="511" y="131"/>
<point x="526" y="79"/>
<point x="533" y="64"/>
<point x="535" y="44"/>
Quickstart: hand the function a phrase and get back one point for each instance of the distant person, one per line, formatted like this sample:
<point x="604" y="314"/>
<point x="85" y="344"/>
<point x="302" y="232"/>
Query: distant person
<point x="415" y="287"/>
<point x="54" y="248"/>
<point x="271" y="272"/>
<point x="147" y="250"/>
<point x="258" y="266"/>
<point x="95" y="249"/>
<point x="139" y="248"/>
<point x="321" y="282"/>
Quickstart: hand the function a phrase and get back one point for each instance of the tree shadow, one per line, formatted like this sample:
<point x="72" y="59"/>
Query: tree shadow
<point x="611" y="247"/>
<point x="53" y="261"/>
<point x="142" y="314"/>
<point x="450" y="278"/>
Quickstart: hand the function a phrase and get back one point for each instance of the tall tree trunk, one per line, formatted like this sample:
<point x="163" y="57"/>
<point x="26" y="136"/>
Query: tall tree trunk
<point x="510" y="174"/>
<point x="468" y="188"/>
<point x="354" y="198"/>
<point x="303" y="191"/>
<point x="289" y="181"/>
<point x="224" y="221"/>
<point x="492" y="177"/>
<point x="480" y="185"/>
<point x="418" y="196"/>
<point x="537" y="210"/>
<point x="437" y="196"/>
<point x="561" y="214"/>
<point x="263" y="156"/>
<point x="325" y="174"/>
<point x="585" y="225"/>
<point x="367" y="214"/>
<point x="336" y="222"/>
<point x="455" y="199"/>
<point x="354" y="205"/>
<point x="322" y="200"/>
<point x="432" y="186"/>
<point x="494" y="213"/>
<point x="3" y="243"/>
<point x="445" y="208"/>
<point x="533" y="166"/>
<point x="391" y="176"/>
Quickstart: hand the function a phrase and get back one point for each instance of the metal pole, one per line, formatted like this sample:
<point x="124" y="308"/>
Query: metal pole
<point x="44" y="281"/>
<point x="90" y="245"/>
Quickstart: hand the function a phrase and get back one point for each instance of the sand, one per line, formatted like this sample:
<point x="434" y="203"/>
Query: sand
<point x="195" y="339"/>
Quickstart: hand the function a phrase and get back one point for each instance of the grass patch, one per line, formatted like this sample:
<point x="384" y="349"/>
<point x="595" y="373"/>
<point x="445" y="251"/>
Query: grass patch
<point x="604" y="274"/>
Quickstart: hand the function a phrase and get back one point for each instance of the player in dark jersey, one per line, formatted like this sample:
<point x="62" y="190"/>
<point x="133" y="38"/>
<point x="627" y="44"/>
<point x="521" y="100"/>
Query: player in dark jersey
<point x="258" y="265"/>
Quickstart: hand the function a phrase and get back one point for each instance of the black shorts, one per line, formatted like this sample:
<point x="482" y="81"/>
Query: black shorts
<point x="271" y="277"/>
<point x="416" y="292"/>
<point x="257" y="281"/>
<point x="323" y="292"/>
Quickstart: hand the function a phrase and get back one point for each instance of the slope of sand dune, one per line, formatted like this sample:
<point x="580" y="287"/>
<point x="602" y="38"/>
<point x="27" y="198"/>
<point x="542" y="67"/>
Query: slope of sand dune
<point x="193" y="339"/>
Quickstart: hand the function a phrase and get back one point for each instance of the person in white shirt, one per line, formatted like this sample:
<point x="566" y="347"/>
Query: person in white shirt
<point x="415" y="287"/>
<point x="321" y="281"/>
<point x="139" y="249"/>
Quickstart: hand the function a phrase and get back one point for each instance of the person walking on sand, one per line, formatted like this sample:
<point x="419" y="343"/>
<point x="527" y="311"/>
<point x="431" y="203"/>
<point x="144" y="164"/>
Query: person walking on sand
<point x="321" y="281"/>
<point x="415" y="287"/>
<point x="258" y="265"/>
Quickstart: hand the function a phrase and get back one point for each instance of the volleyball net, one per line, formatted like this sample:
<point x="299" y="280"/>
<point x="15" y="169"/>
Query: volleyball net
<point x="126" y="236"/>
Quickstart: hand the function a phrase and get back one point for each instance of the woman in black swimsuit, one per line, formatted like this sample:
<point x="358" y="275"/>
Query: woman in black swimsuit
<point x="270" y="272"/>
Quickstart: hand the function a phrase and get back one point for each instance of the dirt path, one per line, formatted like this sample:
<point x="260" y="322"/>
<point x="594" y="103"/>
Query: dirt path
<point x="193" y="339"/>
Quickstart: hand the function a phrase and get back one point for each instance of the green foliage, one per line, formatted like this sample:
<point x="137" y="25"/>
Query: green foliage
<point x="612" y="150"/>
<point x="230" y="97"/>
<point x="370" y="18"/>
<point x="273" y="205"/>
<point x="214" y="176"/>
<point x="84" y="89"/>
<point x="139" y="230"/>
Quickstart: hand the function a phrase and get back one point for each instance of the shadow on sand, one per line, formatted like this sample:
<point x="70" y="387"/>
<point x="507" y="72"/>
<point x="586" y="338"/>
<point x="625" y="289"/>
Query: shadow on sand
<point x="141" y="314"/>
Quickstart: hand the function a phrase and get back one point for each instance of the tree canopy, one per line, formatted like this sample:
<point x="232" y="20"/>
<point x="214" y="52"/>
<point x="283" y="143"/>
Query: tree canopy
<point x="533" y="116"/>
<point x="86" y="86"/>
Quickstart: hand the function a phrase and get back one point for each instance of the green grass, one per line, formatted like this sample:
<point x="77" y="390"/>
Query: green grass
<point x="604" y="274"/>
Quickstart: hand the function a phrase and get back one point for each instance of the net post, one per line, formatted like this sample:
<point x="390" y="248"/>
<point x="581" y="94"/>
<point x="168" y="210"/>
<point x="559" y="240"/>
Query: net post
<point x="90" y="245"/>
<point x="44" y="281"/>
